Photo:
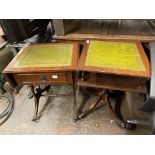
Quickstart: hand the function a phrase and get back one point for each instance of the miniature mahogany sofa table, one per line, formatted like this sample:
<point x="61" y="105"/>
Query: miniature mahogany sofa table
<point x="44" y="64"/>
<point x="109" y="66"/>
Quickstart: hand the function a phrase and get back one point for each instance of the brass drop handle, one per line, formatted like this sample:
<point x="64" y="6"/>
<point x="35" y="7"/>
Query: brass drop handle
<point x="43" y="77"/>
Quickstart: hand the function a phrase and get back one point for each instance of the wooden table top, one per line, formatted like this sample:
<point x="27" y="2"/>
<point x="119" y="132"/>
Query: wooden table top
<point x="134" y="30"/>
<point x="45" y="57"/>
<point x="125" y="58"/>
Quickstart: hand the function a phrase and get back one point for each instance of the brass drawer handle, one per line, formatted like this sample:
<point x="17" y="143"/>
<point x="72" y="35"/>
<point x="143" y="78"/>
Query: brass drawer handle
<point x="43" y="77"/>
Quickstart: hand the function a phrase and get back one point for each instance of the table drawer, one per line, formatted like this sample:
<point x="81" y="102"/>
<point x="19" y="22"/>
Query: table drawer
<point x="42" y="78"/>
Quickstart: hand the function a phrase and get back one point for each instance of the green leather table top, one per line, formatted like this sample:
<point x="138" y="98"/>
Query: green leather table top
<point x="45" y="56"/>
<point x="116" y="55"/>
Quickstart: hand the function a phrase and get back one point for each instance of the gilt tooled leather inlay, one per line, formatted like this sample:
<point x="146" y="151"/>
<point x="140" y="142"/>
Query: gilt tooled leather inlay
<point x="45" y="56"/>
<point x="115" y="55"/>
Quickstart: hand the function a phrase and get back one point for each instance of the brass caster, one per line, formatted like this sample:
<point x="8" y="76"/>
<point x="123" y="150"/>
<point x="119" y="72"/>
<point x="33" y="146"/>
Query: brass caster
<point x="35" y="119"/>
<point x="75" y="119"/>
<point x="122" y="126"/>
<point x="130" y="126"/>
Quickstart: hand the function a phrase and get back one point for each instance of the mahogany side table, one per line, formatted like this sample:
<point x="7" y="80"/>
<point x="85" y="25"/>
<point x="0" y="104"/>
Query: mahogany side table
<point x="44" y="64"/>
<point x="112" y="65"/>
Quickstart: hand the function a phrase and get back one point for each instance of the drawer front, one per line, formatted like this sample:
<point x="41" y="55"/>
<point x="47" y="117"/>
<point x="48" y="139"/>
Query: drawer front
<point x="41" y="78"/>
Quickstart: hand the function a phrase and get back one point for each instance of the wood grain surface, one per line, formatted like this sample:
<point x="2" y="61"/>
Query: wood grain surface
<point x="137" y="30"/>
